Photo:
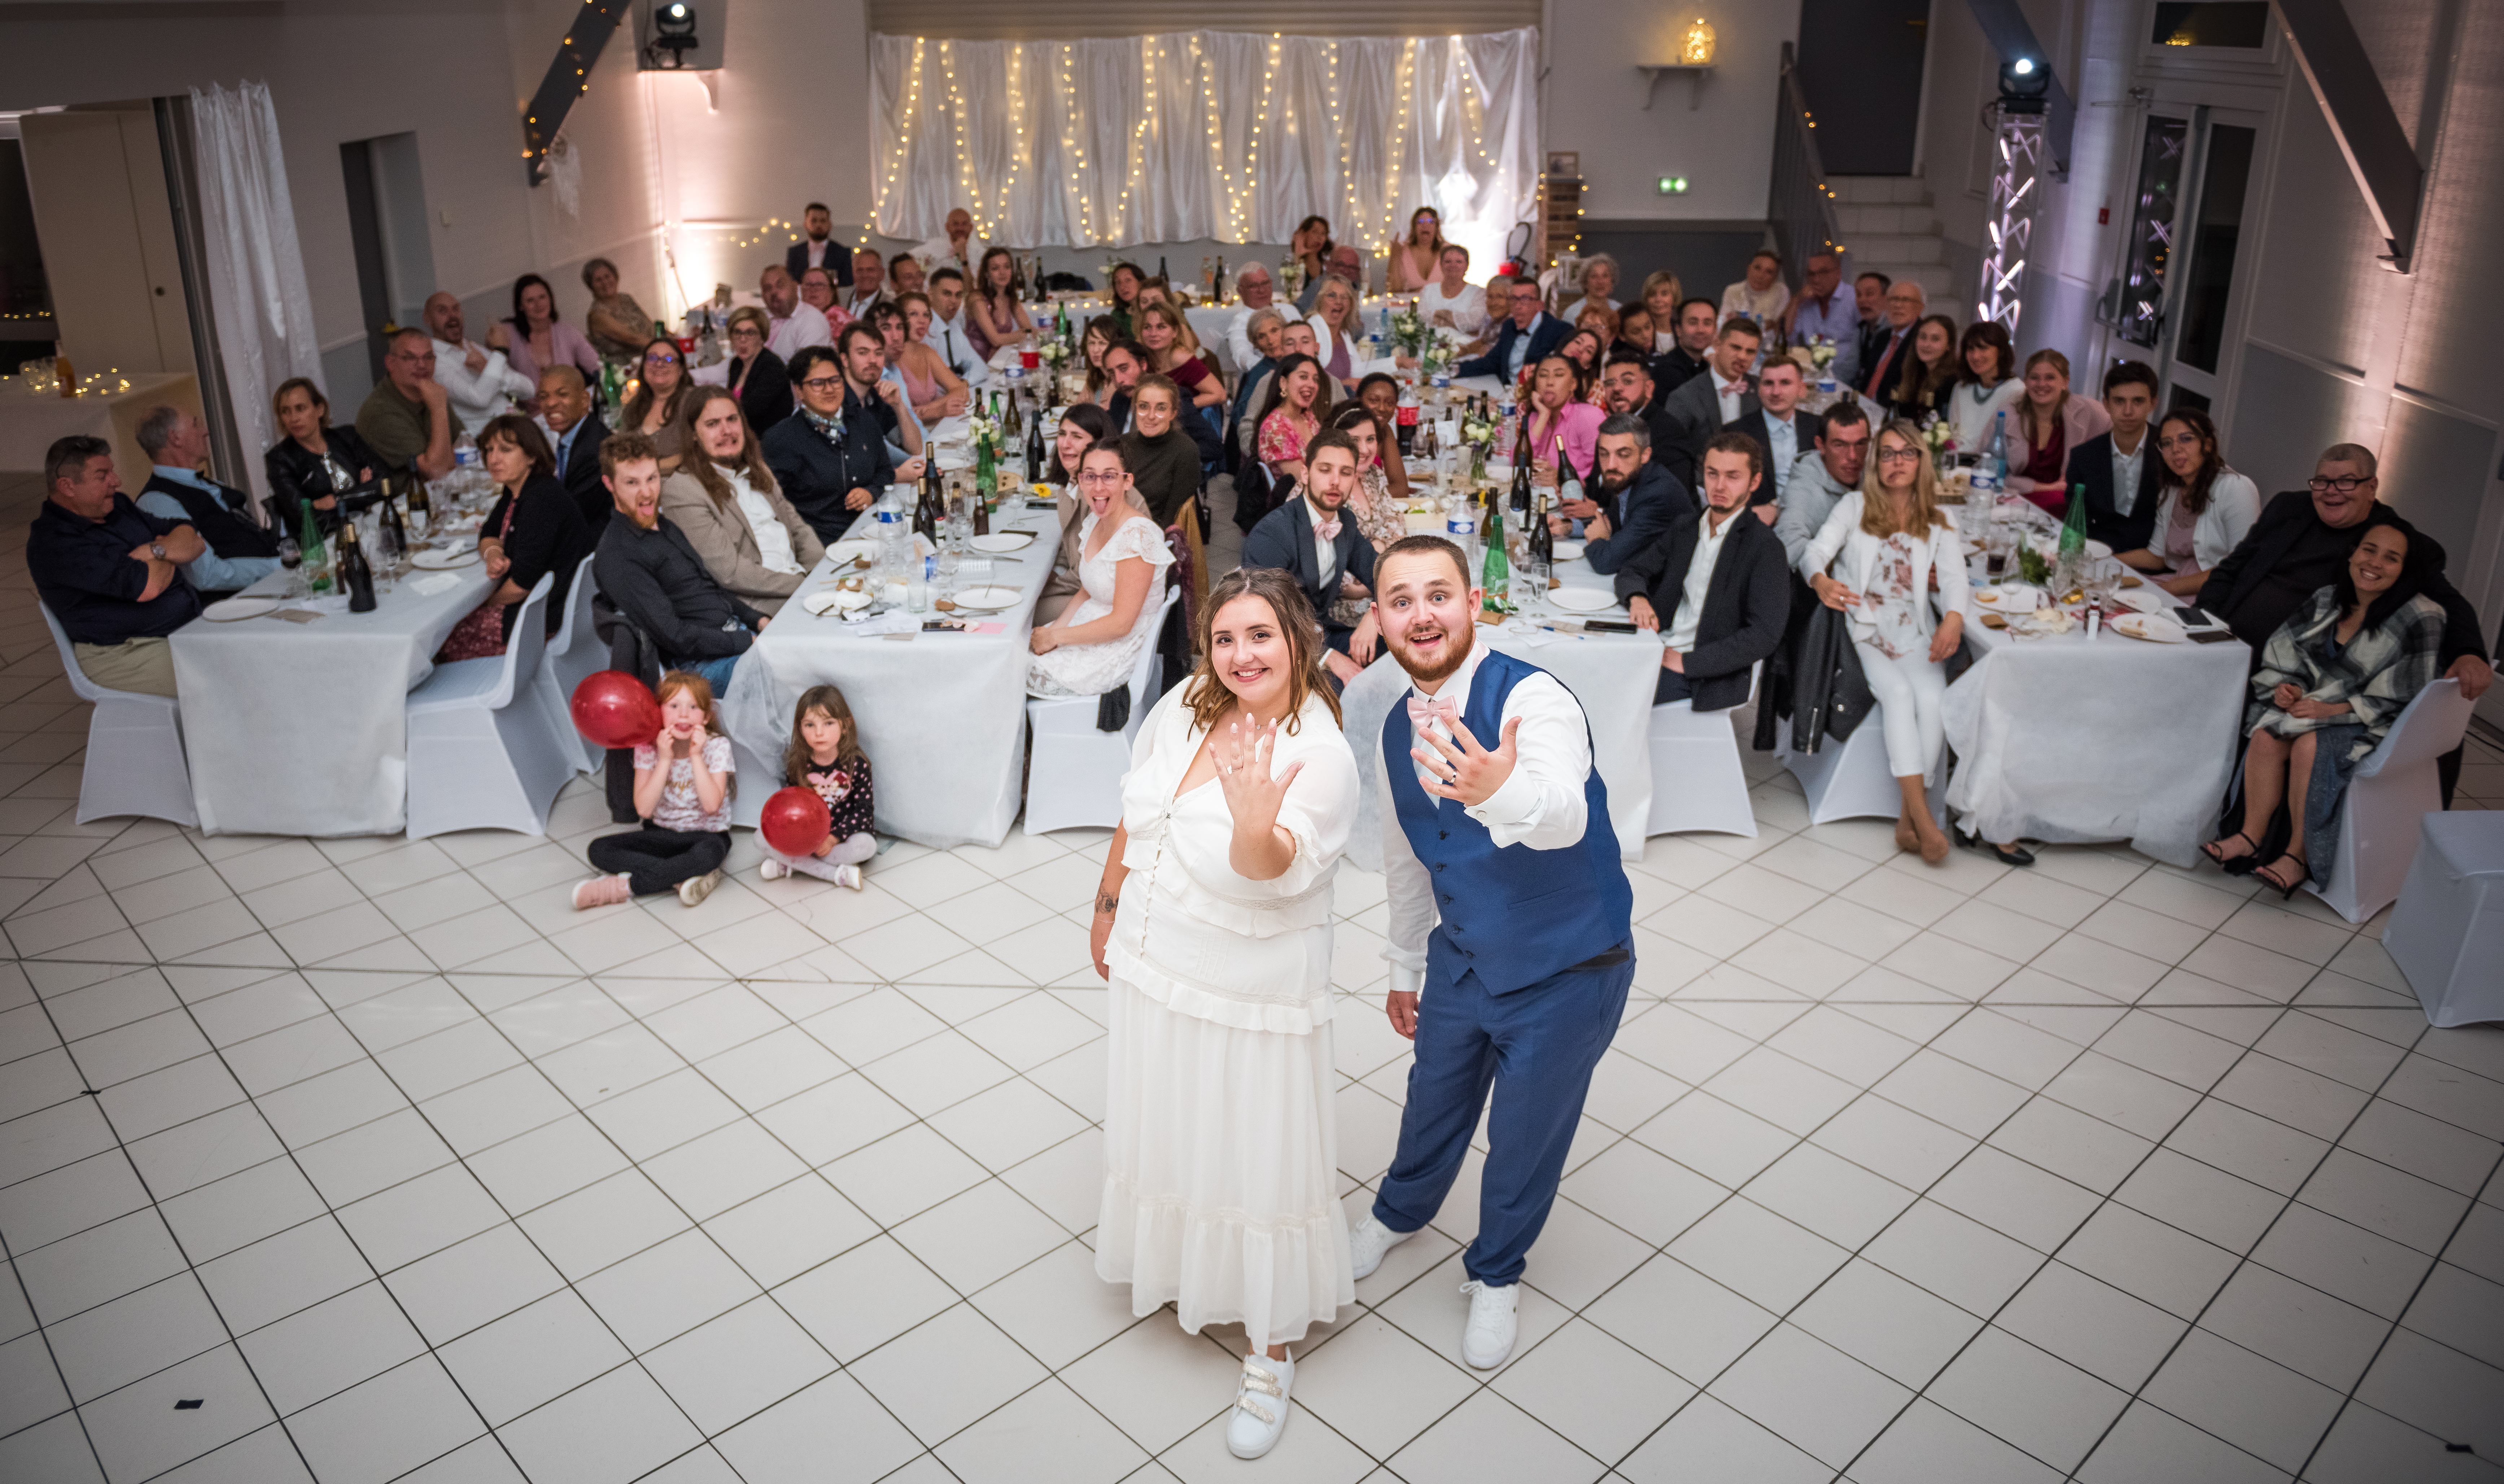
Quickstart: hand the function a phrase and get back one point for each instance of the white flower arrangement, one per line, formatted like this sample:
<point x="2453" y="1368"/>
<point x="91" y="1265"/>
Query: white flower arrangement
<point x="1051" y="353"/>
<point x="1941" y="433"/>
<point x="1821" y="352"/>
<point x="983" y="428"/>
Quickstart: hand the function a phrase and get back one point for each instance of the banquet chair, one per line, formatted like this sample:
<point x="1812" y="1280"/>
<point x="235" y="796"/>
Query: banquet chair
<point x="483" y="751"/>
<point x="575" y="652"/>
<point x="1074" y="771"/>
<point x="1697" y="783"/>
<point x="1849" y="779"/>
<point x="2388" y="797"/>
<point x="134" y="748"/>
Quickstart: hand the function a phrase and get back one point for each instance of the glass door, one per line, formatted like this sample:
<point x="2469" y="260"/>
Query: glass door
<point x="2173" y="302"/>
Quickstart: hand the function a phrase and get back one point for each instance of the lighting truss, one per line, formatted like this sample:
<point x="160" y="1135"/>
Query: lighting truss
<point x="2014" y="181"/>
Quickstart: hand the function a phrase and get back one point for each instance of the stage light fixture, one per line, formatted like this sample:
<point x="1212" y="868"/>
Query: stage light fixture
<point x="674" y="34"/>
<point x="2025" y="83"/>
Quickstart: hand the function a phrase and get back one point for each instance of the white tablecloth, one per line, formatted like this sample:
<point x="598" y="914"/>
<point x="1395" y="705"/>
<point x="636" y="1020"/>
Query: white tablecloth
<point x="302" y="729"/>
<point x="2070" y="739"/>
<point x="942" y="715"/>
<point x="1613" y="676"/>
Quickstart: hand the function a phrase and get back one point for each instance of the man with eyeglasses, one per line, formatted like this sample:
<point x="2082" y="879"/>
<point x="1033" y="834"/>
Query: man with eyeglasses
<point x="830" y="455"/>
<point x="2301" y="545"/>
<point x="407" y="418"/>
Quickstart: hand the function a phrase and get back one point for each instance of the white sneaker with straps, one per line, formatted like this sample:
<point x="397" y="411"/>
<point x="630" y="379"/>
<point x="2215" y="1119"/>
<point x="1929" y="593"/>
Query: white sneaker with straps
<point x="1259" y="1412"/>
<point x="1489" y="1336"/>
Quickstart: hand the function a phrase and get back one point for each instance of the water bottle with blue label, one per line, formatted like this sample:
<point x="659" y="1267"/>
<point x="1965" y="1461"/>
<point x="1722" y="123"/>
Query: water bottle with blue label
<point x="1990" y="471"/>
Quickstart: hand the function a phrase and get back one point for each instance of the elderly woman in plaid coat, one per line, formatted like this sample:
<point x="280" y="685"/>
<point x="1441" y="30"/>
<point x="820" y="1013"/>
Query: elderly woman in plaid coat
<point x="2331" y="682"/>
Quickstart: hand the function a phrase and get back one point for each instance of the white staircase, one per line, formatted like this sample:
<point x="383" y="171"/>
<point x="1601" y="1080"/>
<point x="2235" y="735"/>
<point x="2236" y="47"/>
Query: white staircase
<point x="1889" y="227"/>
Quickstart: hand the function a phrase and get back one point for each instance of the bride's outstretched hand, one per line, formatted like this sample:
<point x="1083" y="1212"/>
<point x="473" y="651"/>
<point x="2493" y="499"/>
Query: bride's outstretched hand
<point x="1252" y="795"/>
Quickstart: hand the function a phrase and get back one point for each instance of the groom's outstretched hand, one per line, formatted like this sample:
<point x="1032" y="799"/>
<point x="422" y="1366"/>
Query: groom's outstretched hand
<point x="1404" y="1014"/>
<point x="1463" y="770"/>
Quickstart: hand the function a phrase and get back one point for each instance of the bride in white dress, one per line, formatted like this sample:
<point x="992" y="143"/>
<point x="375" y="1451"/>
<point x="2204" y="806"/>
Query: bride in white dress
<point x="1121" y="558"/>
<point x="1213" y="929"/>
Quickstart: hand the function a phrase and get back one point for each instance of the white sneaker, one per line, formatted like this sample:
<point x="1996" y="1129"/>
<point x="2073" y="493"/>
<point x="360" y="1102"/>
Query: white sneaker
<point x="773" y="870"/>
<point x="1488" y="1339"/>
<point x="849" y="876"/>
<point x="1259" y="1412"/>
<point x="1367" y="1244"/>
<point x="695" y="890"/>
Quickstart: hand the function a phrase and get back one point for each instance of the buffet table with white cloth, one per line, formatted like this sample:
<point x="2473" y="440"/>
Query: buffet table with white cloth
<point x="2068" y="740"/>
<point x="942" y="715"/>
<point x="302" y="728"/>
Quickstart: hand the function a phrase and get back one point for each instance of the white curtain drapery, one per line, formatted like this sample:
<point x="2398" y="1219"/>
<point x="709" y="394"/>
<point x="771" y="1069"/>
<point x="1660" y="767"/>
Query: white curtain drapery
<point x="253" y="269"/>
<point x="1226" y="135"/>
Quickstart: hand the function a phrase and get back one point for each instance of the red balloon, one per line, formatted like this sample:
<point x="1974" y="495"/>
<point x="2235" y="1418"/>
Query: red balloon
<point x="795" y="821"/>
<point x="614" y="709"/>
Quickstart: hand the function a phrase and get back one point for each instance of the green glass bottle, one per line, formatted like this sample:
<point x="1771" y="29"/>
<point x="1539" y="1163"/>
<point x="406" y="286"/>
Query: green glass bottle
<point x="317" y="553"/>
<point x="1495" y="572"/>
<point x="2073" y="523"/>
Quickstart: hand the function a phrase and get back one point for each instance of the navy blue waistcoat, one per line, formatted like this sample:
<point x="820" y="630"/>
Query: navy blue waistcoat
<point x="1513" y="916"/>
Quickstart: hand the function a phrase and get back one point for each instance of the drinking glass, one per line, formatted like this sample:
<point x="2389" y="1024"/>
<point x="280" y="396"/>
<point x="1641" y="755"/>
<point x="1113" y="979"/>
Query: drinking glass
<point x="291" y="556"/>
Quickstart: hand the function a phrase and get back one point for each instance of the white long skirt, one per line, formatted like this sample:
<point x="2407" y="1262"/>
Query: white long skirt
<point x="1220" y="1195"/>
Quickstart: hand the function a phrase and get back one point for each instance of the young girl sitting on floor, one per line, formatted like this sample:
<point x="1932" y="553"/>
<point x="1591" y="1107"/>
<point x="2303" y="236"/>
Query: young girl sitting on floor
<point x="825" y="754"/>
<point x="683" y="780"/>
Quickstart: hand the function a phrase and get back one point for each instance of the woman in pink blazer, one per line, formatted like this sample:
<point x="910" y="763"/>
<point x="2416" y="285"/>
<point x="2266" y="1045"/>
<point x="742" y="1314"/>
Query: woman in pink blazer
<point x="2048" y="422"/>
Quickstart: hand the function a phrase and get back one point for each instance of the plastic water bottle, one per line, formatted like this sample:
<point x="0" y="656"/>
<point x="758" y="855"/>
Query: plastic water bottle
<point x="1990" y="471"/>
<point x="1461" y="525"/>
<point x="467" y="470"/>
<point x="891" y="558"/>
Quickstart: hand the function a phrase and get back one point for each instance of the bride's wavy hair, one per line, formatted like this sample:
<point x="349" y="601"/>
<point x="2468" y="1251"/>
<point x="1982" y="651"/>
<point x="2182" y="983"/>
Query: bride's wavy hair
<point x="1208" y="696"/>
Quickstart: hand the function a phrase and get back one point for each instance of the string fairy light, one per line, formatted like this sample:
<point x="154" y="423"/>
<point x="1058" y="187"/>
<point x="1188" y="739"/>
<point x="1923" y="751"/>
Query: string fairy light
<point x="886" y="211"/>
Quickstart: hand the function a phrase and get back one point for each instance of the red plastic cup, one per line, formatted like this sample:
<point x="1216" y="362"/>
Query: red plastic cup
<point x="1029" y="358"/>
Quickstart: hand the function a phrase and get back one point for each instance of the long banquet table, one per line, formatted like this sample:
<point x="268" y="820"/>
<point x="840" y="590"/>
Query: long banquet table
<point x="942" y="715"/>
<point x="302" y="728"/>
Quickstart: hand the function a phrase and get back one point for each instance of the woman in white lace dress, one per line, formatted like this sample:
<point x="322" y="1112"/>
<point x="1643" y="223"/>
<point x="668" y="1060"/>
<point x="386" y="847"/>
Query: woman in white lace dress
<point x="1213" y="930"/>
<point x="1122" y="556"/>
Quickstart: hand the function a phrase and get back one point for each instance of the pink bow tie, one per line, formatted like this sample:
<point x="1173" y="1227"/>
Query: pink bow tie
<point x="1327" y="530"/>
<point x="1423" y="710"/>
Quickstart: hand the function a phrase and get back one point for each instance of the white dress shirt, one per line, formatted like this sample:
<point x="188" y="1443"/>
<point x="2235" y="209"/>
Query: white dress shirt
<point x="1539" y="806"/>
<point x="2125" y="474"/>
<point x="1784" y="434"/>
<point x="773" y="538"/>
<point x="818" y="254"/>
<point x="1699" y="577"/>
<point x="804" y="326"/>
<point x="1242" y="354"/>
<point x="485" y="392"/>
<point x="939" y="253"/>
<point x="1325" y="547"/>
<point x="1733" y="396"/>
<point x="858" y="301"/>
<point x="948" y="339"/>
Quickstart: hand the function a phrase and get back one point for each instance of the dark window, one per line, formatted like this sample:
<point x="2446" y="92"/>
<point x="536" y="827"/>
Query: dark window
<point x="2141" y="310"/>
<point x="2212" y="246"/>
<point x="2211" y="23"/>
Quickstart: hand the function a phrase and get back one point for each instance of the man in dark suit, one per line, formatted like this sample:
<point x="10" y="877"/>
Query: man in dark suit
<point x="1783" y="430"/>
<point x="1524" y="339"/>
<point x="1882" y="358"/>
<point x="819" y="248"/>
<point x="1869" y="296"/>
<point x="575" y="432"/>
<point x="1626" y="386"/>
<point x="2119" y="467"/>
<point x="1635" y="500"/>
<point x="830" y="456"/>
<point x="1694" y="324"/>
<point x="1311" y="539"/>
<point x="1716" y="586"/>
<point x="1724" y="393"/>
<point x="2301" y="545"/>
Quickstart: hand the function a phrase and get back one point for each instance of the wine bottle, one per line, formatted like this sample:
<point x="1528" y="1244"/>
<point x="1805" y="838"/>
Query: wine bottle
<point x="1034" y="449"/>
<point x="1160" y="269"/>
<point x="391" y="521"/>
<point x="982" y="517"/>
<point x="929" y="505"/>
<point x="1542" y="540"/>
<point x="1521" y="487"/>
<point x="354" y="575"/>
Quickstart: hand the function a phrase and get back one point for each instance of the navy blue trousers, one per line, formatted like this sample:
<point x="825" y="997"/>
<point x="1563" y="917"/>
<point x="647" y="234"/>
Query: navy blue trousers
<point x="1535" y="1048"/>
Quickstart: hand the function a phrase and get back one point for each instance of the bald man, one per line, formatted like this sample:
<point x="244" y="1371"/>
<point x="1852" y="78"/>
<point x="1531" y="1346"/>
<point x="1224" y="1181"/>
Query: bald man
<point x="790" y="324"/>
<point x="480" y="382"/>
<point x="576" y="434"/>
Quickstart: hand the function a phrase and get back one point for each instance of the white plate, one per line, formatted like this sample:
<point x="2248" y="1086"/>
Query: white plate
<point x="1567" y="551"/>
<point x="851" y="551"/>
<point x="2143" y="599"/>
<point x="2151" y="627"/>
<point x="1001" y="540"/>
<point x="444" y="561"/>
<point x="1582" y="600"/>
<point x="233" y="609"/>
<point x="988" y="600"/>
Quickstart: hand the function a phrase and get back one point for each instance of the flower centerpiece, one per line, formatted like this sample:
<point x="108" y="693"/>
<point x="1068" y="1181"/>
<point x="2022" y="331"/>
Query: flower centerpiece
<point x="1821" y="352"/>
<point x="1052" y="352"/>
<point x="1940" y="434"/>
<point x="1409" y="330"/>
<point x="984" y="431"/>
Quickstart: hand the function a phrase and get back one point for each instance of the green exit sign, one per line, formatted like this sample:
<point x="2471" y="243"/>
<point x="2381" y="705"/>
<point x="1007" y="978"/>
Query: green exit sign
<point x="1673" y="184"/>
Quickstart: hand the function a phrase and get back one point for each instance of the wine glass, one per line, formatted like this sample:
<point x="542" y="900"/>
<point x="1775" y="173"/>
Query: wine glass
<point x="291" y="556"/>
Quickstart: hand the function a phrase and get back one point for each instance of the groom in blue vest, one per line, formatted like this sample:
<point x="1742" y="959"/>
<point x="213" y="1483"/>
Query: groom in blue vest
<point x="1512" y="944"/>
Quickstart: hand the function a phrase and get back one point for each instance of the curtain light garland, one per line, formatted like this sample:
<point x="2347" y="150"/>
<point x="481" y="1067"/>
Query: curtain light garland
<point x="1231" y="136"/>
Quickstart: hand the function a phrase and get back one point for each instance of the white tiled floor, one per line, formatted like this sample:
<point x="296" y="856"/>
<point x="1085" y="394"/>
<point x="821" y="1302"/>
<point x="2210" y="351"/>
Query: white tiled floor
<point x="398" y="1168"/>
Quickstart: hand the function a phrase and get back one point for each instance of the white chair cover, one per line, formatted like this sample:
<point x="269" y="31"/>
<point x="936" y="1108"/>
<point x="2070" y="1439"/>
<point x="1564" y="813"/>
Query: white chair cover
<point x="2447" y="933"/>
<point x="1698" y="782"/>
<point x="1850" y="781"/>
<point x="134" y="748"/>
<point x="483" y="751"/>
<point x="2388" y="795"/>
<point x="574" y="654"/>
<point x="1074" y="774"/>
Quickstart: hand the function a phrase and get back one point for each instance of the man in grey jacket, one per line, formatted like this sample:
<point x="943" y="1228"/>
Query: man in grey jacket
<point x="1830" y="471"/>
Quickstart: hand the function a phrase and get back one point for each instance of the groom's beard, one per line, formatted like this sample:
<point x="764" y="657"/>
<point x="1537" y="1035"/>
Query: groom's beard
<point x="1456" y="653"/>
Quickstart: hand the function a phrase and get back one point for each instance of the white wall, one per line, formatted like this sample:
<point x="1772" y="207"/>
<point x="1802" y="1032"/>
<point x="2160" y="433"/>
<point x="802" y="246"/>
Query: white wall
<point x="1593" y="103"/>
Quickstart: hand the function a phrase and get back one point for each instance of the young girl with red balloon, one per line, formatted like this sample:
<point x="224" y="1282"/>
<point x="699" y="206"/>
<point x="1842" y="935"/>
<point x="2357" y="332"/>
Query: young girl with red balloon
<point x="683" y="778"/>
<point x="821" y="827"/>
